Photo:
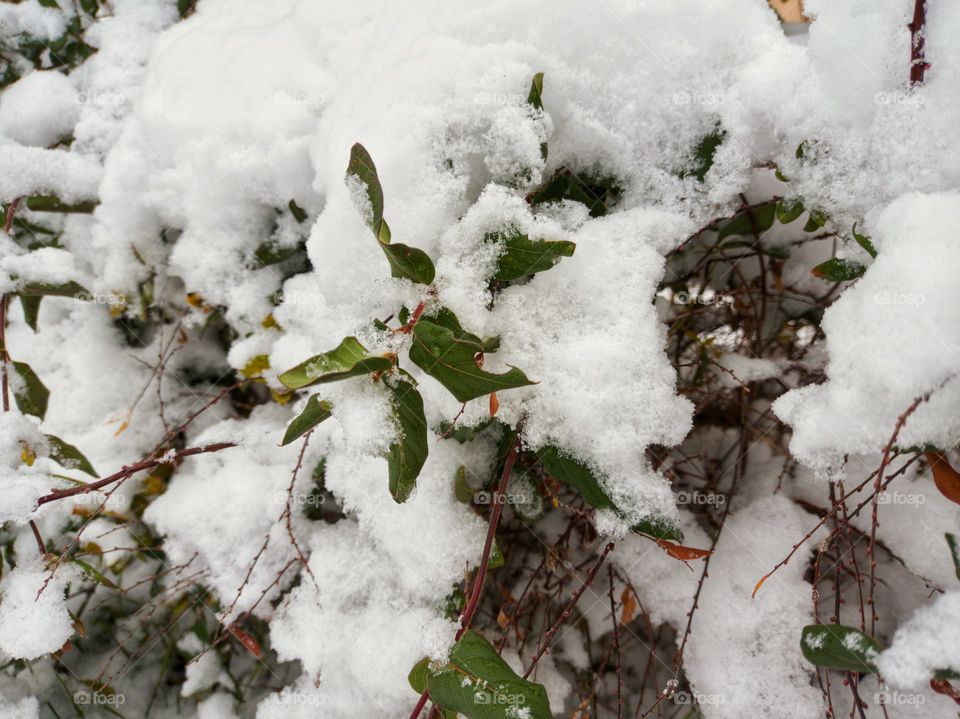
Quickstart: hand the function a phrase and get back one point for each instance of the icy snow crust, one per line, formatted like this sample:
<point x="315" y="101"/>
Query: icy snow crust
<point x="247" y="105"/>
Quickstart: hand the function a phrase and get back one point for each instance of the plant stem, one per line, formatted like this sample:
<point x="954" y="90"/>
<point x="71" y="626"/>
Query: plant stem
<point x="127" y="471"/>
<point x="918" y="63"/>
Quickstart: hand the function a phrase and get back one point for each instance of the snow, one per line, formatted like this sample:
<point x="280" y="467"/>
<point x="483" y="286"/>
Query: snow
<point x="32" y="625"/>
<point x="927" y="642"/>
<point x="194" y="136"/>
<point x="39" y="109"/>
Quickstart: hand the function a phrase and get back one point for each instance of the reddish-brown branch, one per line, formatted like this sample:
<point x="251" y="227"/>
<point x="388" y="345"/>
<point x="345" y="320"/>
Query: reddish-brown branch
<point x="918" y="63"/>
<point x="4" y="357"/>
<point x="128" y="471"/>
<point x="476" y="592"/>
<point x="548" y="637"/>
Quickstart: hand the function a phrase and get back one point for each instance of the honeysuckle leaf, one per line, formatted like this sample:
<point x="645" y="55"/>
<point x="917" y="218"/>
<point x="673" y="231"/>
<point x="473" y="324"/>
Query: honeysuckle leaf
<point x="789" y="210"/>
<point x="596" y="193"/>
<point x="31" y="310"/>
<point x="535" y="97"/>
<point x="754" y="221"/>
<point x="479" y="684"/>
<point x="30" y="394"/>
<point x="838" y="270"/>
<point x="348" y="359"/>
<point x="92" y="572"/>
<point x="815" y="221"/>
<point x="864" y="242"/>
<point x="522" y="256"/>
<point x="576" y="474"/>
<point x="64" y="289"/>
<point x="704" y="153"/>
<point x="450" y="359"/>
<point x="954" y="551"/>
<point x="405" y="261"/>
<point x="446" y="318"/>
<point x="313" y="414"/>
<point x="49" y="203"/>
<point x="406" y="456"/>
<point x="835" y="646"/>
<point x="68" y="456"/>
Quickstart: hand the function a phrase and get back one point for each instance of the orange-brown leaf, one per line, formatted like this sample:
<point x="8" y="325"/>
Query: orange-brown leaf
<point x="678" y="551"/>
<point x="494" y="404"/>
<point x="945" y="477"/>
<point x="629" y="605"/>
<point x="248" y="642"/>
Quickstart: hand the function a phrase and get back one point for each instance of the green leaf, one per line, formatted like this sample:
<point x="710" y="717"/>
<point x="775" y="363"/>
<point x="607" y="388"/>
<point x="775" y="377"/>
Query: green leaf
<point x="68" y="456"/>
<point x="837" y="270"/>
<point x="450" y="360"/>
<point x="53" y="204"/>
<point x="575" y="474"/>
<point x="405" y="262"/>
<point x="462" y="491"/>
<point x="864" y="242"/>
<point x="92" y="573"/>
<point x="789" y="210"/>
<point x="597" y="194"/>
<point x="271" y="252"/>
<point x="446" y="318"/>
<point x="31" y="310"/>
<point x="30" y="393"/>
<point x="835" y="646"/>
<point x="954" y="551"/>
<point x="535" y="97"/>
<point x="704" y="153"/>
<point x="66" y="289"/>
<point x="299" y="214"/>
<point x="348" y="359"/>
<point x="419" y="674"/>
<point x="407" y="455"/>
<point x="496" y="559"/>
<point x="461" y="433"/>
<point x="479" y="684"/>
<point x="742" y="224"/>
<point x="313" y="414"/>
<point x="523" y="256"/>
<point x="815" y="221"/>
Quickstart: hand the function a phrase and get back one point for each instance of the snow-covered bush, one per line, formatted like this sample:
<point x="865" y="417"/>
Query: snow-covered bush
<point x="493" y="360"/>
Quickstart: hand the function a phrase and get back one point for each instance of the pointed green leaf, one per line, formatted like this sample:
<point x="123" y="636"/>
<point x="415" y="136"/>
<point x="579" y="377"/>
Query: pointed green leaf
<point x="65" y="289"/>
<point x="523" y="256"/>
<point x="576" y="474"/>
<point x="407" y="455"/>
<point x="835" y="646"/>
<point x="348" y="359"/>
<point x="704" y="153"/>
<point x="446" y="318"/>
<point x="954" y="552"/>
<point x="313" y="414"/>
<point x="757" y="220"/>
<point x="461" y="433"/>
<point x="496" y="559"/>
<point x="450" y="360"/>
<point x="479" y="684"/>
<point x="31" y="310"/>
<point x="837" y="270"/>
<point x="598" y="194"/>
<point x="92" y="573"/>
<point x="462" y="491"/>
<point x="789" y="210"/>
<point x="41" y="203"/>
<point x="405" y="262"/>
<point x="68" y="456"/>
<point x="864" y="242"/>
<point x="29" y="392"/>
<point x="535" y="97"/>
<point x="299" y="214"/>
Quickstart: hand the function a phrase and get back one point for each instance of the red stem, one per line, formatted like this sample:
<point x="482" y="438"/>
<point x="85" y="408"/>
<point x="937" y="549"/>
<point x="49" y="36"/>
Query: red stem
<point x="127" y="471"/>
<point x="475" y="593"/>
<point x="918" y="64"/>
